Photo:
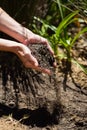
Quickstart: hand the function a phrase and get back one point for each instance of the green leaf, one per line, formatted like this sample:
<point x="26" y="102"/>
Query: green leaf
<point x="63" y="43"/>
<point x="77" y="35"/>
<point x="65" y="22"/>
<point x="60" y="9"/>
<point x="80" y="65"/>
<point x="53" y="28"/>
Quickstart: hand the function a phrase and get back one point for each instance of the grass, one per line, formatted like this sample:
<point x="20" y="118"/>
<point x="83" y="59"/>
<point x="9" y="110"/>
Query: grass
<point x="58" y="35"/>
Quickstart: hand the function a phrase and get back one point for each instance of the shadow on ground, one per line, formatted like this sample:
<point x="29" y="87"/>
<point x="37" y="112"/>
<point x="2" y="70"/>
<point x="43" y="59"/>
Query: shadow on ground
<point x="39" y="117"/>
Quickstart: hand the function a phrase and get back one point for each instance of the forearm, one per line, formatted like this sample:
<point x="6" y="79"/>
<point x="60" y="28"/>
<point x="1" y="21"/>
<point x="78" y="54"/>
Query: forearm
<point x="9" y="26"/>
<point x="10" y="46"/>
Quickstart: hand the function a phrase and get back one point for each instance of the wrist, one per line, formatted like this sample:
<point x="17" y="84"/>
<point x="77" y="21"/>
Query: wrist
<point x="16" y="48"/>
<point x="26" y="36"/>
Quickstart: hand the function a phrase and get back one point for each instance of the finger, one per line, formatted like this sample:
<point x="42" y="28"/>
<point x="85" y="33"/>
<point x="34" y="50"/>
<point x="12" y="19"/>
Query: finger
<point x="29" y="65"/>
<point x="28" y="57"/>
<point x="55" y="64"/>
<point x="50" y="49"/>
<point x="44" y="70"/>
<point x="33" y="60"/>
<point x="44" y="41"/>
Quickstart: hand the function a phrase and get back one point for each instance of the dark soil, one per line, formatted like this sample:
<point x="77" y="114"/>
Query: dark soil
<point x="30" y="100"/>
<point x="41" y="53"/>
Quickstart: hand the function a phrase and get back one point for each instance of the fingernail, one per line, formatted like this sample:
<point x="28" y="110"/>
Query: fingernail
<point x="55" y="64"/>
<point x="36" y="63"/>
<point x="25" y="42"/>
<point x="48" y="72"/>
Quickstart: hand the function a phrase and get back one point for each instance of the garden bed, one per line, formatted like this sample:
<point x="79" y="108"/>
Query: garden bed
<point x="30" y="100"/>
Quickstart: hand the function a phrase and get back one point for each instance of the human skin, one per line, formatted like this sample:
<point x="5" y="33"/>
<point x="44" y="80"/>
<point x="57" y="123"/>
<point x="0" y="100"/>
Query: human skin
<point x="24" y="37"/>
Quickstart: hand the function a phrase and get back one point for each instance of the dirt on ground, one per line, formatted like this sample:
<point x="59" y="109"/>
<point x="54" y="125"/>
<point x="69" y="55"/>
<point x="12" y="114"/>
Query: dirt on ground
<point x="57" y="102"/>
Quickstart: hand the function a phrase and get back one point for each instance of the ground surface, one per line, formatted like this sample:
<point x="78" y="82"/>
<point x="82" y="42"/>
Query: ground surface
<point x="71" y="93"/>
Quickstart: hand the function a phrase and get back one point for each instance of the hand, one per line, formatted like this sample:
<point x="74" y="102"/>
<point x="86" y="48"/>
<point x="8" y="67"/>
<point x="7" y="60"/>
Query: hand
<point x="34" y="38"/>
<point x="28" y="60"/>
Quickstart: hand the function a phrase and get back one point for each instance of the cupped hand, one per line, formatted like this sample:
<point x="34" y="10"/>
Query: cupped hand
<point x="29" y="60"/>
<point x="34" y="38"/>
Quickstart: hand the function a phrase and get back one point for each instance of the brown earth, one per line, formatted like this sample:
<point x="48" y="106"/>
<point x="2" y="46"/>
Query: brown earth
<point x="30" y="100"/>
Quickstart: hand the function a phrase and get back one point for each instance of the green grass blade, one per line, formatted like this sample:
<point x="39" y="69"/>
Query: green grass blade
<point x="70" y="21"/>
<point x="80" y="65"/>
<point x="65" y="22"/>
<point x="53" y="28"/>
<point x="63" y="43"/>
<point x="78" y="34"/>
<point x="60" y="9"/>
